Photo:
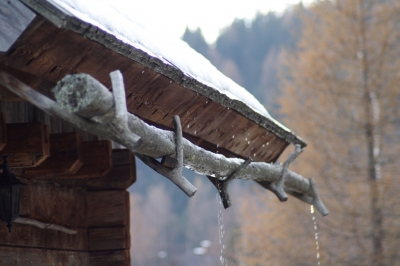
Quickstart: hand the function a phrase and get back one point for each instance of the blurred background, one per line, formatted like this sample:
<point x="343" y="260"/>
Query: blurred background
<point x="330" y="71"/>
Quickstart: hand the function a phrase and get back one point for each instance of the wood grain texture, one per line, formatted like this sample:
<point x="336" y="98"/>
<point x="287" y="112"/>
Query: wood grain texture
<point x="31" y="236"/>
<point x="47" y="202"/>
<point x="28" y="144"/>
<point x="110" y="238"/>
<point x="107" y="208"/>
<point x="107" y="258"/>
<point x="12" y="256"/>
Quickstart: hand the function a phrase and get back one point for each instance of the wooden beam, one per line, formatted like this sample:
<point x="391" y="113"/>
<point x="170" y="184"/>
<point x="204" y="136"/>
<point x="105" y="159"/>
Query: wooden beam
<point x="107" y="208"/>
<point x="96" y="159"/>
<point x="113" y="257"/>
<point x="28" y="144"/>
<point x="50" y="203"/>
<point x="109" y="238"/>
<point x="30" y="236"/>
<point x="66" y="156"/>
<point x="36" y="256"/>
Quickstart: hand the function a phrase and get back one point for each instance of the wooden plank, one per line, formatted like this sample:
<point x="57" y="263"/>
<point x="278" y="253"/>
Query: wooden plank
<point x="12" y="256"/>
<point x="70" y="258"/>
<point x="107" y="208"/>
<point x="3" y="131"/>
<point x="106" y="258"/>
<point x="30" y="236"/>
<point x="55" y="204"/>
<point x="14" y="19"/>
<point x="27" y="144"/>
<point x="66" y="156"/>
<point x="59" y="240"/>
<point x="96" y="160"/>
<point x="109" y="238"/>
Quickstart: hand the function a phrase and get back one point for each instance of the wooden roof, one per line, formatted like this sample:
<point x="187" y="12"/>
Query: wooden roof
<point x="55" y="44"/>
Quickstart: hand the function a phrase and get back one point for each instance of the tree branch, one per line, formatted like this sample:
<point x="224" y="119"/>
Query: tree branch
<point x="21" y="220"/>
<point x="141" y="138"/>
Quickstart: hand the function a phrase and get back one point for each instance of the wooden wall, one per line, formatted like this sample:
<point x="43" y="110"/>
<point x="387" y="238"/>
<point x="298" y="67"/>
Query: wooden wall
<point x="80" y="184"/>
<point x="101" y="219"/>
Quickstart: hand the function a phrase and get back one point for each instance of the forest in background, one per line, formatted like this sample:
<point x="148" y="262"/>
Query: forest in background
<point x="331" y="73"/>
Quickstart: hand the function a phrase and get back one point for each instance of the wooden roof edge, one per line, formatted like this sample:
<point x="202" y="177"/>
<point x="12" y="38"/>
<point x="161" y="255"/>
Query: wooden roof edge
<point x="63" y="19"/>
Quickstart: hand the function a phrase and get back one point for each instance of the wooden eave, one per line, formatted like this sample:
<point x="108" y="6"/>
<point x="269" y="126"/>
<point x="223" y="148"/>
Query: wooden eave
<point x="56" y="43"/>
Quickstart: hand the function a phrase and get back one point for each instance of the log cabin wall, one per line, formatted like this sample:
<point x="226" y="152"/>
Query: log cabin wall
<point x="72" y="179"/>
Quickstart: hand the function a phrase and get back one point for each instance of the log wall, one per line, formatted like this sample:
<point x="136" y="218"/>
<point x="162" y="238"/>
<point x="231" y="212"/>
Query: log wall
<point x="80" y="184"/>
<point x="101" y="219"/>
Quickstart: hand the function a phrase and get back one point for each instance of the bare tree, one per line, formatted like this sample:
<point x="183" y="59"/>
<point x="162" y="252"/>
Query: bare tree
<point x="341" y="87"/>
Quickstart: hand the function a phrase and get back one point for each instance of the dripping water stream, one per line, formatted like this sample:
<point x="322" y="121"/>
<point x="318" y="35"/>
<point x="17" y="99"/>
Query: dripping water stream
<point x="221" y="230"/>
<point x="316" y="234"/>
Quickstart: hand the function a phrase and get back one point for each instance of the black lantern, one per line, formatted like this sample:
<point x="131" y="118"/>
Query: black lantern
<point x="10" y="195"/>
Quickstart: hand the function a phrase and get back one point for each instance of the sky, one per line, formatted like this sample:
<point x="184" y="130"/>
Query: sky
<point x="171" y="17"/>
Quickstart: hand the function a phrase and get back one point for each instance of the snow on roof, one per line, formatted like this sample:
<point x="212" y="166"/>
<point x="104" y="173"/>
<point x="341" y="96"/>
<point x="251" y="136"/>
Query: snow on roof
<point x="106" y="15"/>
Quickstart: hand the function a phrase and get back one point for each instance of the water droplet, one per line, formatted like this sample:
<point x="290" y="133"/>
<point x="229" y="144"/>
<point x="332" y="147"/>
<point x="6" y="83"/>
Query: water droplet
<point x="245" y="139"/>
<point x="195" y="132"/>
<point x="142" y="71"/>
<point x="206" y="101"/>
<point x="254" y="154"/>
<point x="233" y="136"/>
<point x="248" y="142"/>
<point x="217" y="146"/>
<point x="267" y="143"/>
<point x="188" y="126"/>
<point x="263" y="145"/>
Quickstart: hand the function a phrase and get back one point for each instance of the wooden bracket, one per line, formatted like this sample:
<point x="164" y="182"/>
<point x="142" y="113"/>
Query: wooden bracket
<point x="222" y="185"/>
<point x="174" y="174"/>
<point x="28" y="144"/>
<point x="96" y="160"/>
<point x="66" y="156"/>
